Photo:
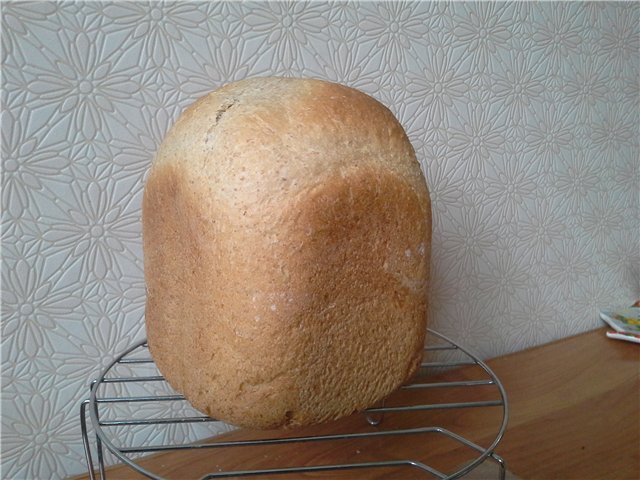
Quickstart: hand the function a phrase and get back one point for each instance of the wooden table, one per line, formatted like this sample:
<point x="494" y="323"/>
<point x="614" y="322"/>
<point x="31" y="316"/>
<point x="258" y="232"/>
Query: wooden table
<point x="575" y="414"/>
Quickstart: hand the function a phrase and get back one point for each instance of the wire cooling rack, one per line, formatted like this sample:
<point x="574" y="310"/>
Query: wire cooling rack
<point x="134" y="371"/>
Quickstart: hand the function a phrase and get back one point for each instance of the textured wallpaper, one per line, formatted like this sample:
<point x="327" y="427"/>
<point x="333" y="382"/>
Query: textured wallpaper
<point x="524" y="116"/>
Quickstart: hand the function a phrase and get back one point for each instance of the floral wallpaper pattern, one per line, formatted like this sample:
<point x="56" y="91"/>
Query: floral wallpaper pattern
<point x="524" y="115"/>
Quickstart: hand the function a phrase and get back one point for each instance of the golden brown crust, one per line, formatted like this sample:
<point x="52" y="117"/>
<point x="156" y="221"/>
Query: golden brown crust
<point x="287" y="232"/>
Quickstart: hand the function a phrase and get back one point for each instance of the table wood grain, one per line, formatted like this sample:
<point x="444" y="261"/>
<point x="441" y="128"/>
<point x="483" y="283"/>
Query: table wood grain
<point x="575" y="414"/>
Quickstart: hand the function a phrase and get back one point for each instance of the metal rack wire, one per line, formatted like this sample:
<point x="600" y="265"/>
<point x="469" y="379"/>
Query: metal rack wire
<point x="141" y="370"/>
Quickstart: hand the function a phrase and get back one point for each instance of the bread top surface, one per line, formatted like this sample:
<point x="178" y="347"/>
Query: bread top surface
<point x="264" y="139"/>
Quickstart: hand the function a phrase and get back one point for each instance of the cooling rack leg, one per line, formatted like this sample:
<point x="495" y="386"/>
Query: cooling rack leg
<point x="373" y="419"/>
<point x="99" y="447"/>
<point x="100" y="458"/>
<point x="503" y="467"/>
<point x="85" y="439"/>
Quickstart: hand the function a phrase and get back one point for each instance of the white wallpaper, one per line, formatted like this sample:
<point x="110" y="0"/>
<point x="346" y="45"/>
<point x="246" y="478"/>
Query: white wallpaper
<point x="524" y="115"/>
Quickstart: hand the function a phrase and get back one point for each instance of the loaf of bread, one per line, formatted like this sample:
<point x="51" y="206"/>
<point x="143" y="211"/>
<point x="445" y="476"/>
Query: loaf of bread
<point x="287" y="235"/>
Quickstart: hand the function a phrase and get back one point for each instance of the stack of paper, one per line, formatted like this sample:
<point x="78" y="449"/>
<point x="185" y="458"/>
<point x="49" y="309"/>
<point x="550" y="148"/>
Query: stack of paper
<point x="625" y="322"/>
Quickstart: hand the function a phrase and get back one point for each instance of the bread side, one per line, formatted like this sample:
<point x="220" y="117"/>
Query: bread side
<point x="287" y="238"/>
